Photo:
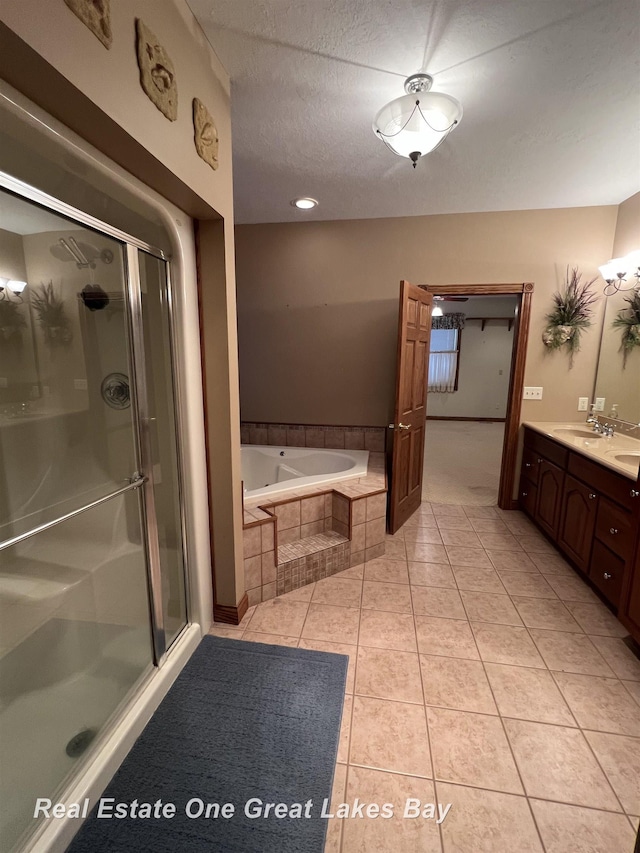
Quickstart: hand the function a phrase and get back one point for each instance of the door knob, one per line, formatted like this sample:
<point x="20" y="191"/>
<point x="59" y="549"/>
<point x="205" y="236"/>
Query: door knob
<point x="404" y="426"/>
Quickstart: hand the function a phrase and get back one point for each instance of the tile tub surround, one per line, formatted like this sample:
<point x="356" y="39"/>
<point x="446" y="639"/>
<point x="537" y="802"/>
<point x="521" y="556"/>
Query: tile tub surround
<point x="355" y="511"/>
<point x="530" y="732"/>
<point x="314" y="435"/>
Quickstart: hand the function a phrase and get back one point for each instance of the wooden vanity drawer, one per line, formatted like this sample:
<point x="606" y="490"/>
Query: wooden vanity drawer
<point x="545" y="447"/>
<point x="530" y="464"/>
<point x="603" y="480"/>
<point x="607" y="572"/>
<point x="615" y="528"/>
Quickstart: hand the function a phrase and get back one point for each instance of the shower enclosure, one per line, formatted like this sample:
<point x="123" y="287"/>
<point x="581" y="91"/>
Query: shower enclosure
<point x="92" y="574"/>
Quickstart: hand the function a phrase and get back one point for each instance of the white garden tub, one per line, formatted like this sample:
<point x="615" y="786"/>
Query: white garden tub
<point x="267" y="471"/>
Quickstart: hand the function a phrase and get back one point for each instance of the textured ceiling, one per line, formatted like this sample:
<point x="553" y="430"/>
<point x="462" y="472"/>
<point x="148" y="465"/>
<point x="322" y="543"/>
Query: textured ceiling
<point x="550" y="91"/>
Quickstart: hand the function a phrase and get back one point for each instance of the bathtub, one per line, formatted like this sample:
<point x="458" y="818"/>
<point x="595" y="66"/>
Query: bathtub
<point x="268" y="471"/>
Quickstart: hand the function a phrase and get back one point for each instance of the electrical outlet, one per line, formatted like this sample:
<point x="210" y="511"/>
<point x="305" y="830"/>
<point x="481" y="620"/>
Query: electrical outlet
<point x="600" y="404"/>
<point x="80" y="384"/>
<point x="583" y="404"/>
<point x="531" y="393"/>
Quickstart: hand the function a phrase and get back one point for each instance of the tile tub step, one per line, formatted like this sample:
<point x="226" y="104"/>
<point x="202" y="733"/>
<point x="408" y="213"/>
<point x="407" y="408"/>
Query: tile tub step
<point x="310" y="545"/>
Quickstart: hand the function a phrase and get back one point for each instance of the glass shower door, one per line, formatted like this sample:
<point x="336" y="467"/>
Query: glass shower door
<point x="75" y="597"/>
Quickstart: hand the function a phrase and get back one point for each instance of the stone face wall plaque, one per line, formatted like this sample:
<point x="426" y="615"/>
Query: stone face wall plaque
<point x="95" y="14"/>
<point x="157" y="73"/>
<point x="205" y="134"/>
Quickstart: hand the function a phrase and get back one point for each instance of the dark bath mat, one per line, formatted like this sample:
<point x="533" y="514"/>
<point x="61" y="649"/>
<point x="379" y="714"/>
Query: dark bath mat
<point x="242" y="721"/>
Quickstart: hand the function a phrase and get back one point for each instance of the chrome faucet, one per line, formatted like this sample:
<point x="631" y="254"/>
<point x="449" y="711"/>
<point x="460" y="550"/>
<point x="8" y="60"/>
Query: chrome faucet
<point x="593" y="419"/>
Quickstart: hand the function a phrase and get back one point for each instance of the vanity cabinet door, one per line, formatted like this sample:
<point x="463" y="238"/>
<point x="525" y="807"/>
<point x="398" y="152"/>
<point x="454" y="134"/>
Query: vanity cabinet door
<point x="577" y="521"/>
<point x="549" y="502"/>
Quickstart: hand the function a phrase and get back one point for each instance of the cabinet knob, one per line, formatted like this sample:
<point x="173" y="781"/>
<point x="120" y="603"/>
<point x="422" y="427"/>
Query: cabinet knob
<point x="613" y="530"/>
<point x="525" y="494"/>
<point x="592" y="496"/>
<point x="634" y="493"/>
<point x="539" y="460"/>
<point x="527" y="464"/>
<point x="607" y="576"/>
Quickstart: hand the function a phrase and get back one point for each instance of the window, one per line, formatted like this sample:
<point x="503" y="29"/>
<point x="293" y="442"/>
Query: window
<point x="444" y="360"/>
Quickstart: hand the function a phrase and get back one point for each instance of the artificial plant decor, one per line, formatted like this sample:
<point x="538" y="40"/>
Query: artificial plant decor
<point x="11" y="322"/>
<point x="628" y="319"/>
<point x="52" y="316"/>
<point x="571" y="315"/>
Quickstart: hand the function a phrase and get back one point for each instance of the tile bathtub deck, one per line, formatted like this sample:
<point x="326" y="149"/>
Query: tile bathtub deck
<point x="483" y="673"/>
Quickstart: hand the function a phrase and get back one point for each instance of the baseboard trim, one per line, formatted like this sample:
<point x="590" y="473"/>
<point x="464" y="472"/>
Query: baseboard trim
<point x="471" y="420"/>
<point x="229" y="614"/>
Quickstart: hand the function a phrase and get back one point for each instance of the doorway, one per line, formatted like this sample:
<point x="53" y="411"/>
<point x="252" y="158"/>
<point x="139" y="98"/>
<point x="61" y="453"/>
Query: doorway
<point x="92" y="572"/>
<point x="475" y="377"/>
<point x="468" y="385"/>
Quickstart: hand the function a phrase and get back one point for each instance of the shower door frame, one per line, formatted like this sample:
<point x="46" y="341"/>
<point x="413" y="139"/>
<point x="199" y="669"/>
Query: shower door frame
<point x="143" y="477"/>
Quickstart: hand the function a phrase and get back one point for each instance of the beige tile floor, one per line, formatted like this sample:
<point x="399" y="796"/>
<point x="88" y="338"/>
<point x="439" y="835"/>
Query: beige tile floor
<point x="483" y="673"/>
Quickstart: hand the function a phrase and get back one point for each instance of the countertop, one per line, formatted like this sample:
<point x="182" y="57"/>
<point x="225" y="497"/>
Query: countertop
<point x="601" y="448"/>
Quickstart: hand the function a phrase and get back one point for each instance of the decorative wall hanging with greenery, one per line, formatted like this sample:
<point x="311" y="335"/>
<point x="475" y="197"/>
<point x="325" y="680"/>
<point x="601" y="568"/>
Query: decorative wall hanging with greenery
<point x="11" y="323"/>
<point x="571" y="315"/>
<point x="628" y="319"/>
<point x="52" y="316"/>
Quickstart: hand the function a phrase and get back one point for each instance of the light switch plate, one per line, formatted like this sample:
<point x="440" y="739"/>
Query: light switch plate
<point x="600" y="404"/>
<point x="583" y="404"/>
<point x="532" y="393"/>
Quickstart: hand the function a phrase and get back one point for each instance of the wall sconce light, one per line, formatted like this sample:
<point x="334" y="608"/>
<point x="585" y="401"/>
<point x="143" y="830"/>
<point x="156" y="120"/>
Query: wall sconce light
<point x="437" y="309"/>
<point x="618" y="271"/>
<point x="419" y="121"/>
<point x="9" y="286"/>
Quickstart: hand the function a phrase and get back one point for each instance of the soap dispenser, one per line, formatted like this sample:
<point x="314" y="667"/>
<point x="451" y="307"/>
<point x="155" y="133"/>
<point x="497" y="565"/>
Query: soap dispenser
<point x="614" y="411"/>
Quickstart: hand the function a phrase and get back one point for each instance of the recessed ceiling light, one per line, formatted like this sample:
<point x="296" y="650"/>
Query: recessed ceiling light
<point x="304" y="203"/>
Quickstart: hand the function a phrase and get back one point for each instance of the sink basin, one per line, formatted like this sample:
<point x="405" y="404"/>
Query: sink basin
<point x="576" y="433"/>
<point x="627" y="458"/>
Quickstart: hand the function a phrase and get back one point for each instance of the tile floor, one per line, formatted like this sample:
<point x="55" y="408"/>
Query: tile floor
<point x="483" y="673"/>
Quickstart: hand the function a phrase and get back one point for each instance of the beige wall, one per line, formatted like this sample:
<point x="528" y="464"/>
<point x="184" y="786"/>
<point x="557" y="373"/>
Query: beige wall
<point x="110" y="80"/>
<point x="627" y="236"/>
<point x="317" y="304"/>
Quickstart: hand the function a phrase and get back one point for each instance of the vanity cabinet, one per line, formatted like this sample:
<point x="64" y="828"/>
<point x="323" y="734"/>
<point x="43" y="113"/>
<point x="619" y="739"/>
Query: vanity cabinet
<point x="590" y="513"/>
<point x="577" y="521"/>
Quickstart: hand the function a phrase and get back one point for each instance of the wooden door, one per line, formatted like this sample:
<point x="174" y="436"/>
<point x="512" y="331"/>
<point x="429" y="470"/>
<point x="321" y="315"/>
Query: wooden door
<point x="577" y="521"/>
<point x="550" y="479"/>
<point x="410" y="411"/>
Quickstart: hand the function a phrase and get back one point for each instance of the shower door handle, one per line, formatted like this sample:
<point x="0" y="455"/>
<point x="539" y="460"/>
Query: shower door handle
<point x="137" y="479"/>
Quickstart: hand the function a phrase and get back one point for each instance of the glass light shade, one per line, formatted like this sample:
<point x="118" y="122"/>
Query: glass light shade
<point x="437" y="311"/>
<point x="16" y="286"/>
<point x="408" y="128"/>
<point x="633" y="262"/>
<point x="614" y="269"/>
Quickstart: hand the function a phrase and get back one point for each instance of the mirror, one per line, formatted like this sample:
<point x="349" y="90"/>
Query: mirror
<point x="617" y="377"/>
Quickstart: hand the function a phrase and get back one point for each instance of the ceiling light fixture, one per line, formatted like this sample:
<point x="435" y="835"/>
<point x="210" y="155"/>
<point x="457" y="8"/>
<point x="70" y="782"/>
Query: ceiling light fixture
<point x="437" y="310"/>
<point x="617" y="271"/>
<point x="304" y="203"/>
<point x="419" y="121"/>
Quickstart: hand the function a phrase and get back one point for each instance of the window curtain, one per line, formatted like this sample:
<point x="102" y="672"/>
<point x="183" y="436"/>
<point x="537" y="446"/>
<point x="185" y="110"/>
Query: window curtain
<point x="443" y="355"/>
